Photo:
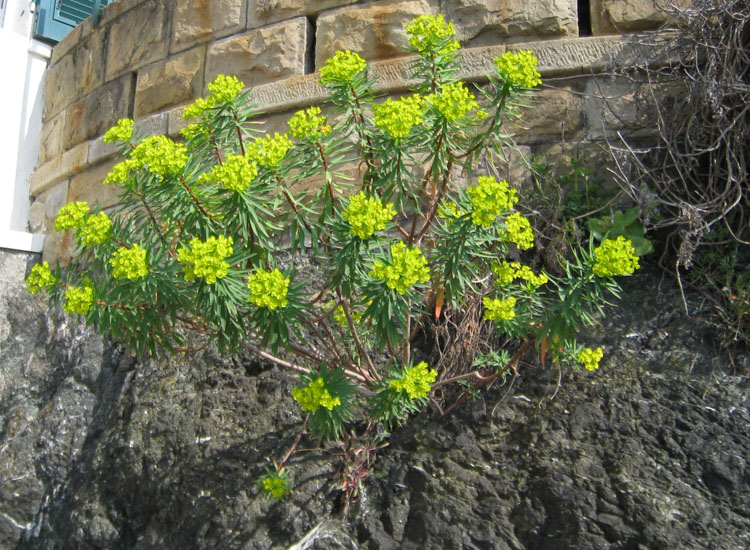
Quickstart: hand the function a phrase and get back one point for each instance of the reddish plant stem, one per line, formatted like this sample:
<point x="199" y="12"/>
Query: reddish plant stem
<point x="294" y="445"/>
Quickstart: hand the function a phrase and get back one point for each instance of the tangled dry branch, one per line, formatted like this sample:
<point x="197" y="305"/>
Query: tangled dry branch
<point x="697" y="171"/>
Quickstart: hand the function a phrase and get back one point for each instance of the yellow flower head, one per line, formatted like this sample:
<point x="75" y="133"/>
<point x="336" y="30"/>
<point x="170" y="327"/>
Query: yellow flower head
<point x="615" y="257"/>
<point x="518" y="230"/>
<point x="315" y="395"/>
<point x="590" y="358"/>
<point x="455" y="102"/>
<point x="427" y="31"/>
<point x="129" y="263"/>
<point x="120" y="172"/>
<point x="308" y="125"/>
<point x="276" y="486"/>
<point x="235" y="174"/>
<point x="222" y="90"/>
<point x="78" y="299"/>
<point x="397" y="118"/>
<point x="367" y="215"/>
<point x="159" y="155"/>
<point x="341" y="68"/>
<point x="206" y="258"/>
<point x="269" y="289"/>
<point x="122" y="131"/>
<point x="269" y="151"/>
<point x="40" y="278"/>
<point x="71" y="216"/>
<point x="416" y="382"/>
<point x="499" y="310"/>
<point x="519" y="69"/>
<point x="95" y="229"/>
<point x="489" y="199"/>
<point x="407" y="268"/>
<point x="506" y="273"/>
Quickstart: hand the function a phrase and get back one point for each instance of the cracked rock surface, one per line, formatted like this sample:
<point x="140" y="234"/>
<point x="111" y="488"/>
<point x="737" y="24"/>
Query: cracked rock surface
<point x="98" y="450"/>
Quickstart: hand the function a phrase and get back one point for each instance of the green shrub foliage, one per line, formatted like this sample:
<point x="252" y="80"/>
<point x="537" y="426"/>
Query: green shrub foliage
<point x="193" y="247"/>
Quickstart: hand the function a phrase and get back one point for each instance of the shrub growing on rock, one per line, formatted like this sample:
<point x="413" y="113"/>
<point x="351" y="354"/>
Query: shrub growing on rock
<point x="192" y="251"/>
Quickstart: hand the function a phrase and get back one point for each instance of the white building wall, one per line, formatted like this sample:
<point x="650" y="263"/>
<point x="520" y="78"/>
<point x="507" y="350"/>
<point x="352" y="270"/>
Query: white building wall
<point x="23" y="61"/>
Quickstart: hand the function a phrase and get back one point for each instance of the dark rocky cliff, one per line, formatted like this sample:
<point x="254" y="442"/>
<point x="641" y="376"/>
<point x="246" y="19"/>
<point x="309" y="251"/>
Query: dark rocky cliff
<point x="100" y="451"/>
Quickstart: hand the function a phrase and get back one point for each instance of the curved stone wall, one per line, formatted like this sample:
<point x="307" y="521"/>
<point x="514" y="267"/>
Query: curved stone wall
<point x="148" y="58"/>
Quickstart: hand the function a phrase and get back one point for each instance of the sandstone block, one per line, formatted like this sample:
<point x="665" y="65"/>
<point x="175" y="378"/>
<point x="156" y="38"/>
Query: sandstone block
<point x="76" y="74"/>
<point x="51" y="138"/>
<point x="264" y="12"/>
<point x="487" y="22"/>
<point x="201" y="20"/>
<point x="612" y="16"/>
<point x="59" y="248"/>
<point x="97" y="112"/>
<point x="45" y="207"/>
<point x="59" y="168"/>
<point x="551" y="114"/>
<point x="374" y="31"/>
<point x="176" y="80"/>
<point x="138" y="38"/>
<point x="87" y="186"/>
<point x="261" y="55"/>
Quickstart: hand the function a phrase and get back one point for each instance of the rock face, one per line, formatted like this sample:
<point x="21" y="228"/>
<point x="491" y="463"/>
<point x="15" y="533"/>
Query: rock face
<point x="98" y="450"/>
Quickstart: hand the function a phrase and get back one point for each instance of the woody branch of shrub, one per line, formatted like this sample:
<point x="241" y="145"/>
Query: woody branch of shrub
<point x="192" y="251"/>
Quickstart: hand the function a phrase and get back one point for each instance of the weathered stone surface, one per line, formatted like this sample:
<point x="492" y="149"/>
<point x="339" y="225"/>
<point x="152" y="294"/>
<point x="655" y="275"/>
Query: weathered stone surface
<point x="374" y="31"/>
<point x="203" y="20"/>
<point x="612" y="16"/>
<point x="87" y="186"/>
<point x="59" y="168"/>
<point x="98" y="111"/>
<point x="264" y="12"/>
<point x="261" y="55"/>
<point x="552" y="114"/>
<point x="51" y="138"/>
<point x="45" y="206"/>
<point x="487" y="22"/>
<point x="171" y="82"/>
<point x="76" y="74"/>
<point x="139" y="37"/>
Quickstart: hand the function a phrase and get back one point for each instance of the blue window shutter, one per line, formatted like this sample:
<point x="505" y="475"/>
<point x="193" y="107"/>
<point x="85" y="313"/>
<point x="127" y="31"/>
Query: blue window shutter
<point x="56" y="18"/>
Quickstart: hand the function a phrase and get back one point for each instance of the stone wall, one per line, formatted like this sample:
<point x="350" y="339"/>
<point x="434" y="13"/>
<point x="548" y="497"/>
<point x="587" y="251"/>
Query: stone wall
<point x="146" y="59"/>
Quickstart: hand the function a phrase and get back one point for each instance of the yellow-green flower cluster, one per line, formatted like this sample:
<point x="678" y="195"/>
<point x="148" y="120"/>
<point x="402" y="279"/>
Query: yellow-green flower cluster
<point x="408" y="267"/>
<point x="506" y="273"/>
<point x="40" y="278"/>
<point x="78" y="299"/>
<point x="367" y="215"/>
<point x="122" y="131"/>
<point x="342" y="67"/>
<point x="268" y="289"/>
<point x="206" y="258"/>
<point x="129" y="263"/>
<point x="590" y="358"/>
<point x="455" y="102"/>
<point x="426" y="31"/>
<point x="235" y="174"/>
<point x="489" y="199"/>
<point x="269" y="151"/>
<point x="160" y="155"/>
<point x="416" y="382"/>
<point x="519" y="231"/>
<point x="499" y="310"/>
<point x="120" y="172"/>
<point x="519" y="69"/>
<point x="276" y="486"/>
<point x="397" y="118"/>
<point x="71" y="216"/>
<point x="95" y="229"/>
<point x="315" y="395"/>
<point x="615" y="257"/>
<point x="223" y="89"/>
<point x="309" y="125"/>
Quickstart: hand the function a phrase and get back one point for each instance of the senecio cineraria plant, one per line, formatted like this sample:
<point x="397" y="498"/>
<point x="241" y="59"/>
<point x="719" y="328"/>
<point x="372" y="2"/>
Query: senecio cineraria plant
<point x="193" y="246"/>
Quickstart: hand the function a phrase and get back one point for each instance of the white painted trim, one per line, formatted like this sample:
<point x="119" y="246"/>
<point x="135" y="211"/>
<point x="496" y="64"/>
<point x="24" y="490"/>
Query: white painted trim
<point x="18" y="240"/>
